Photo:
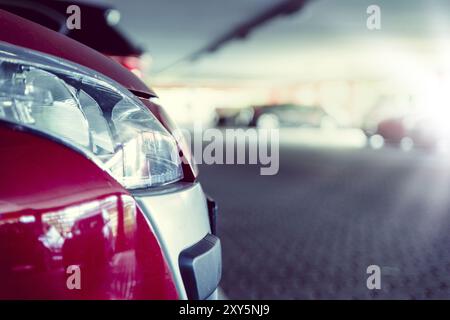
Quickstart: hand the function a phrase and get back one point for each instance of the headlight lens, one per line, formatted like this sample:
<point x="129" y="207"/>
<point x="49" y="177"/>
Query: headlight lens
<point x="91" y="113"/>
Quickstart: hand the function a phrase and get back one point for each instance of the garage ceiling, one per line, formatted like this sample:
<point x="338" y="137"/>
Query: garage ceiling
<point x="326" y="40"/>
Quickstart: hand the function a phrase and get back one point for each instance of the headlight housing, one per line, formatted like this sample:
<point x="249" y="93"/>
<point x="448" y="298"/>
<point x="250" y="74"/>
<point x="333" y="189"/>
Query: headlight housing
<point x="91" y="113"/>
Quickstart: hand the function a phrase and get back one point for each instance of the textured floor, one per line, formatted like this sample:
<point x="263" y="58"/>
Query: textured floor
<point x="311" y="231"/>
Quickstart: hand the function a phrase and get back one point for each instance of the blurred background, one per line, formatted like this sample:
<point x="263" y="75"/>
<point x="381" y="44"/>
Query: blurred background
<point x="363" y="114"/>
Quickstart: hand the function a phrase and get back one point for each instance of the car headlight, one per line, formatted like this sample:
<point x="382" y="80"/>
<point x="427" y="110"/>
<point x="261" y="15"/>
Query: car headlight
<point x="92" y="113"/>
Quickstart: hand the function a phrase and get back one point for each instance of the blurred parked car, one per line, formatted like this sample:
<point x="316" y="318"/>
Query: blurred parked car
<point x="409" y="131"/>
<point x="231" y="117"/>
<point x="392" y="130"/>
<point x="291" y="115"/>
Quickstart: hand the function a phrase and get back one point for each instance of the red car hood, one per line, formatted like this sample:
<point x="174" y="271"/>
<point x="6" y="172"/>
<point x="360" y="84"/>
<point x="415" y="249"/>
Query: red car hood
<point x="24" y="33"/>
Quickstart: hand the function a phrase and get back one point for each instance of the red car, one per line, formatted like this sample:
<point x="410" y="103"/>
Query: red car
<point x="409" y="132"/>
<point x="97" y="198"/>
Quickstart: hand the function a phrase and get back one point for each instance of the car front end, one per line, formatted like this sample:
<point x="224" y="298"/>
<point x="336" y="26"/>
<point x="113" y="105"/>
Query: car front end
<point x="98" y="200"/>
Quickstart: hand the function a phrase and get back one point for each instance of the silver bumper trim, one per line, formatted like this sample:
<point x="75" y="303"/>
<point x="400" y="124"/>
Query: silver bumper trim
<point x="179" y="218"/>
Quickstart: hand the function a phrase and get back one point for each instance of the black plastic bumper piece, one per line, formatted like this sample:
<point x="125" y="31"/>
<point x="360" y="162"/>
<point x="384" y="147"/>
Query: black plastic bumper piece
<point x="212" y="212"/>
<point x="201" y="267"/>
